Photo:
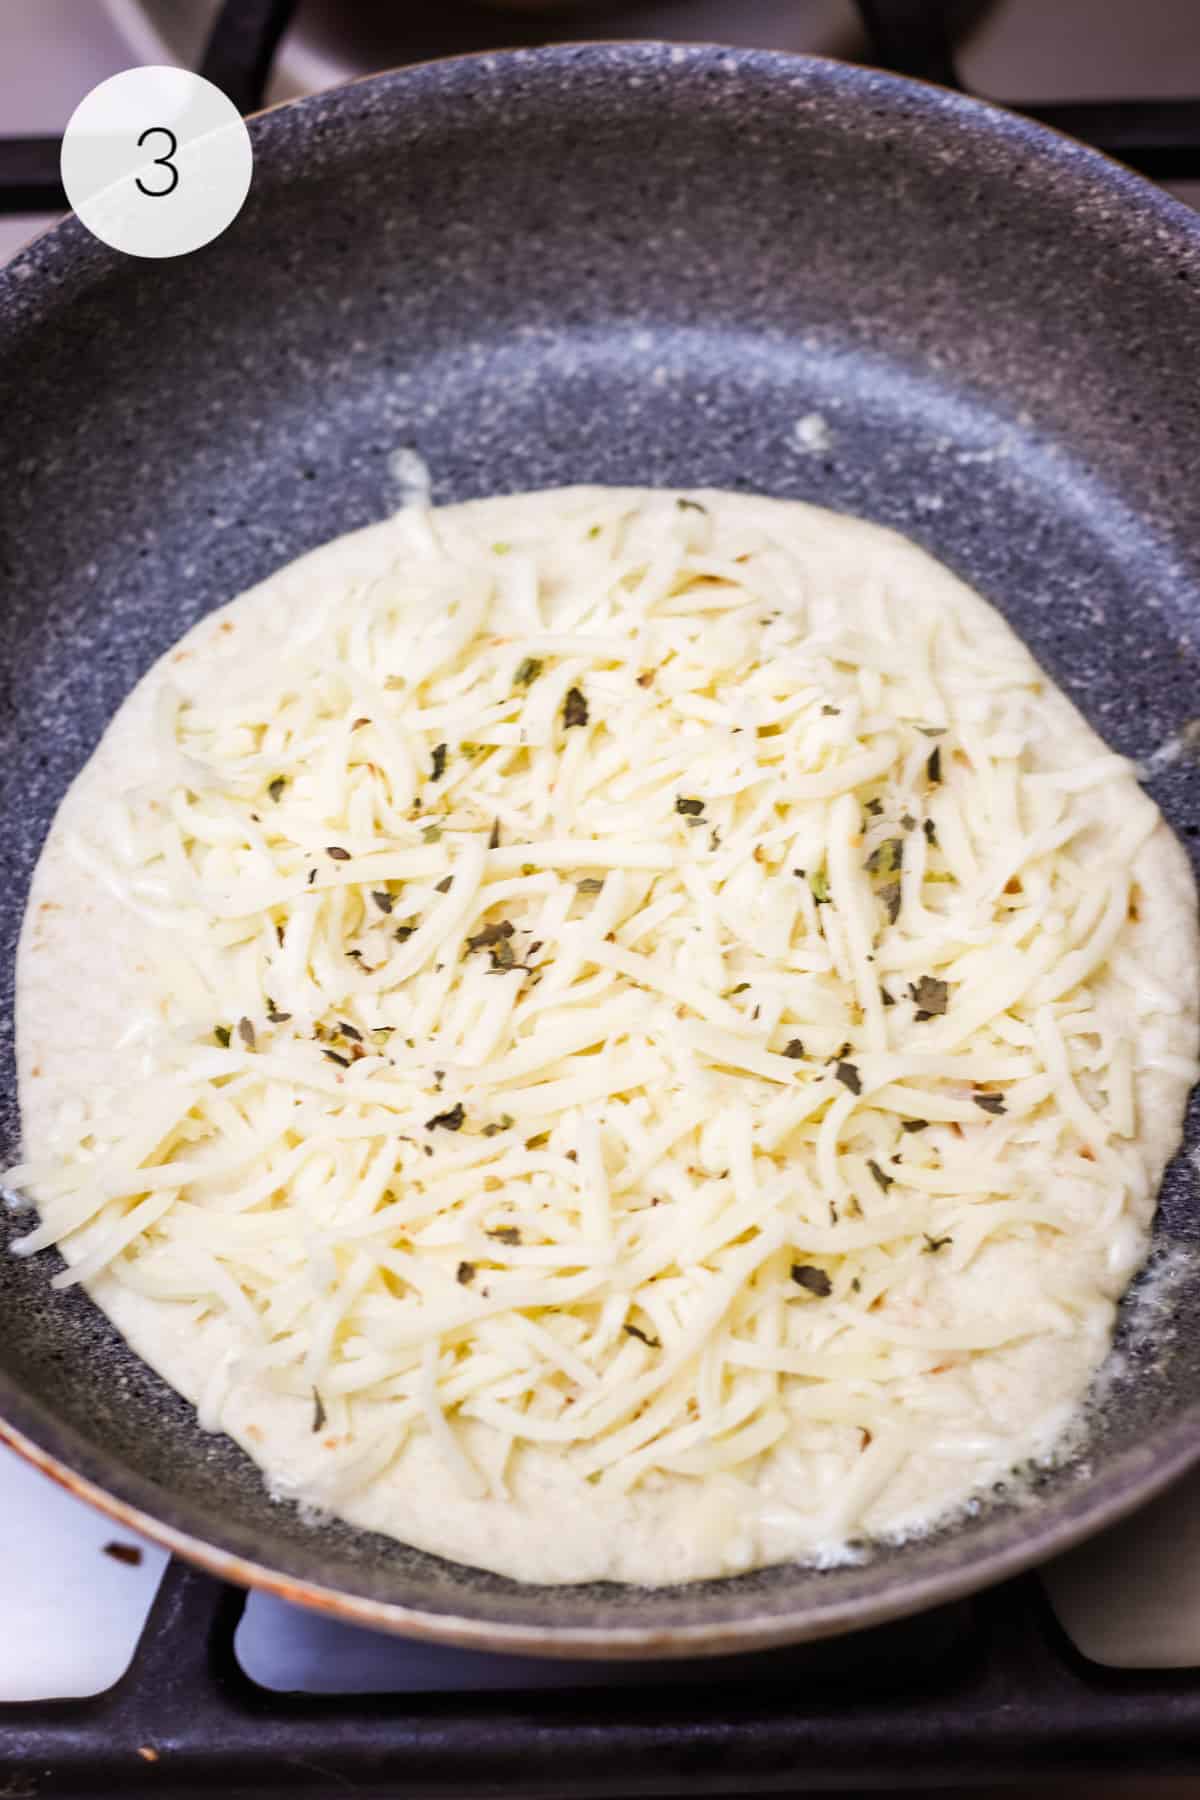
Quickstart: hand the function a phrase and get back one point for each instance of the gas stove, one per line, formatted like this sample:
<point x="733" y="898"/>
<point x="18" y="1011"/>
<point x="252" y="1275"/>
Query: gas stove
<point x="122" y="1670"/>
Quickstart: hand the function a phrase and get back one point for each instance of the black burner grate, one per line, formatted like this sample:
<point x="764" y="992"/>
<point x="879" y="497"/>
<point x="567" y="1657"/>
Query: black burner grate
<point x="984" y="1692"/>
<point x="1160" y="138"/>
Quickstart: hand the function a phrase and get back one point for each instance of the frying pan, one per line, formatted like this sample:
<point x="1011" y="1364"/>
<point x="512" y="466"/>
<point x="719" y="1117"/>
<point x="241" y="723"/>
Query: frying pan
<point x="609" y="263"/>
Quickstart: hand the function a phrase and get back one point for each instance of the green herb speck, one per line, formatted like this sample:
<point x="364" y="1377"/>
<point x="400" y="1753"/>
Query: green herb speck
<point x="849" y="1077"/>
<point x="575" y="708"/>
<point x="448" y="1121"/>
<point x="930" y="996"/>
<point x="812" y="1280"/>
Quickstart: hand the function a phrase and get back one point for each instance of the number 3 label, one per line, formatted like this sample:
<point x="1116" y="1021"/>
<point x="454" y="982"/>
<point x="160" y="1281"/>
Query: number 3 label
<point x="156" y="162"/>
<point x="161" y="162"/>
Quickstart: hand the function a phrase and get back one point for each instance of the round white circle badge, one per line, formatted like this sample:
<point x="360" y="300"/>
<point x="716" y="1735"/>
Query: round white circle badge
<point x="156" y="161"/>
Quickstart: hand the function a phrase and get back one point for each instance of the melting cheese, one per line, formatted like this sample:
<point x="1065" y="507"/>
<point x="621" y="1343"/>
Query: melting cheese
<point x="610" y="988"/>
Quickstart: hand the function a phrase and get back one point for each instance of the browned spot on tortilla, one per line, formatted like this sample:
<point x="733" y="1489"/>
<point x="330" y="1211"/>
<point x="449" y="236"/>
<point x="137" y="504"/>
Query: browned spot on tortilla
<point x="225" y="625"/>
<point x="147" y="1753"/>
<point x="253" y="1431"/>
<point x="1087" y="1153"/>
<point x="36" y="1069"/>
<point x="1013" y="885"/>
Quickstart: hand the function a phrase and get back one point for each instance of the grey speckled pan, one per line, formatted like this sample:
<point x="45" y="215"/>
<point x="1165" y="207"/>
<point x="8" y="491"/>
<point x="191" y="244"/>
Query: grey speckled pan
<point x="615" y="264"/>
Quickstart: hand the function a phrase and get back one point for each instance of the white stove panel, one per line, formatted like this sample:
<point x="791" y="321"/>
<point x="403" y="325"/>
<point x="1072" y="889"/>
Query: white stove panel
<point x="72" y="1611"/>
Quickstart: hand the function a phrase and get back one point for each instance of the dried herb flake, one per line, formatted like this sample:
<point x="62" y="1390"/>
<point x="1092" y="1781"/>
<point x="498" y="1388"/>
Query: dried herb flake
<point x="991" y="1103"/>
<point x="439" y="762"/>
<point x="222" y="1034"/>
<point x="688" y="808"/>
<point x="528" y="671"/>
<point x="646" y="1337"/>
<point x="575" y="708"/>
<point x="275" y="788"/>
<point x="795" y="1049"/>
<point x="849" y="1076"/>
<point x="929" y="996"/>
<point x="812" y="1280"/>
<point x="505" y="1234"/>
<point x="246" y="1032"/>
<point x="885" y="1180"/>
<point x="319" y="1414"/>
<point x="491" y="934"/>
<point x="934" y="1244"/>
<point x="887" y="858"/>
<point x="449" y="1121"/>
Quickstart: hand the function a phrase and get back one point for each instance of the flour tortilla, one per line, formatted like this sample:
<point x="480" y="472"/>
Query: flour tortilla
<point x="82" y="955"/>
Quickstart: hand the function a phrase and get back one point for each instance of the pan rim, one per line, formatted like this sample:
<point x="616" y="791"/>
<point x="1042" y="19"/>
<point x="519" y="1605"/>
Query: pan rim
<point x="29" y="1428"/>
<point x="900" y="1599"/>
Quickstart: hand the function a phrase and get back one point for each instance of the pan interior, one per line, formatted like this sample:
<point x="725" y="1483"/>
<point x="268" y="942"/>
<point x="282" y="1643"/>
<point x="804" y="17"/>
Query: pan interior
<point x="616" y="265"/>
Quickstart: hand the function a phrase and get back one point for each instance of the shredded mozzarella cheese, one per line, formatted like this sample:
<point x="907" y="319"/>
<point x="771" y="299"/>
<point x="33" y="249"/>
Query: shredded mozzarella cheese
<point x="604" y="987"/>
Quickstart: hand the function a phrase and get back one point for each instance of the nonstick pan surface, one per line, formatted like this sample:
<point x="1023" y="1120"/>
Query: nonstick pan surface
<point x="612" y="264"/>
